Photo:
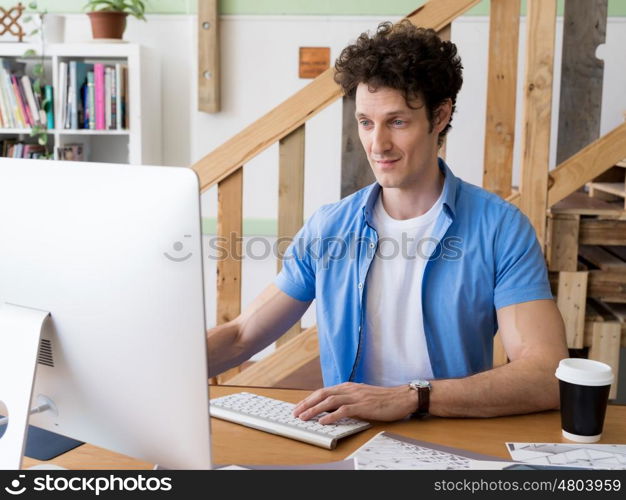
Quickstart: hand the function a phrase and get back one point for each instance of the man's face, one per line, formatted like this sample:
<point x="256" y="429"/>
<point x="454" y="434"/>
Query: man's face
<point x="396" y="137"/>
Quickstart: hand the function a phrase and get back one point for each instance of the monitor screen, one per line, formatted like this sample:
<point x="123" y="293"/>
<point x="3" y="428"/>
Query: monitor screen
<point x="113" y="252"/>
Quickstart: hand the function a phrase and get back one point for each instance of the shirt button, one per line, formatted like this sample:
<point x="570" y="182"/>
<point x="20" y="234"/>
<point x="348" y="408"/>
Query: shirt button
<point x="372" y="245"/>
<point x="360" y="285"/>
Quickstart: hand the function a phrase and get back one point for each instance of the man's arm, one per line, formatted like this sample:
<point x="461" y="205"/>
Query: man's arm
<point x="534" y="339"/>
<point x="269" y="316"/>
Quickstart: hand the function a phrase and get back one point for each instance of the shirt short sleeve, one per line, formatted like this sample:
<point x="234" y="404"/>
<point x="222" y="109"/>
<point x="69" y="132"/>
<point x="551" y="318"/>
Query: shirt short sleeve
<point x="297" y="276"/>
<point x="521" y="273"/>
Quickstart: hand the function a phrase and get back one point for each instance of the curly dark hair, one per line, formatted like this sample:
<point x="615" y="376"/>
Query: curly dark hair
<point x="407" y="58"/>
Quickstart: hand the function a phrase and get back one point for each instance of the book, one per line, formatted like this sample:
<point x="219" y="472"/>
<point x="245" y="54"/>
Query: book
<point x="23" y="117"/>
<point x="114" y="91"/>
<point x="107" y="97"/>
<point x="30" y="99"/>
<point x="123" y="97"/>
<point x="62" y="94"/>
<point x="99" y="95"/>
<point x="33" y="151"/>
<point x="72" y="98"/>
<point x="91" y="101"/>
<point x="82" y="70"/>
<point x="119" y="96"/>
<point x="49" y="108"/>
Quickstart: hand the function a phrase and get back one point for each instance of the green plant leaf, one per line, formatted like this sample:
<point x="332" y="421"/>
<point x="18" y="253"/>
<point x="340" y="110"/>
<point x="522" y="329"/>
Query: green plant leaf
<point x="30" y="53"/>
<point x="32" y="5"/>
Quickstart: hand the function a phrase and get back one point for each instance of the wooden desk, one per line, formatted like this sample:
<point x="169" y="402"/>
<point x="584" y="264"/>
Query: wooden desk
<point x="235" y="444"/>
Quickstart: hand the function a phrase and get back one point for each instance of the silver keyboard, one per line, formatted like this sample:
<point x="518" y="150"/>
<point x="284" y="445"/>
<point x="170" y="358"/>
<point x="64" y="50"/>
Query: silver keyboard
<point x="275" y="416"/>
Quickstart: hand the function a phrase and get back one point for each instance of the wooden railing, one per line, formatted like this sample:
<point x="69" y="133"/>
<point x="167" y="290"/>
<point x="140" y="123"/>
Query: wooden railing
<point x="538" y="191"/>
<point x="284" y="124"/>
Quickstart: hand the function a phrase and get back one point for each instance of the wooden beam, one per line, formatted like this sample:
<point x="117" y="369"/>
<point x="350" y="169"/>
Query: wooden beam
<point x="607" y="286"/>
<point x="587" y="164"/>
<point x="208" y="56"/>
<point x="601" y="258"/>
<point x="290" y="199"/>
<point x="602" y="232"/>
<point x="303" y="105"/>
<point x="229" y="233"/>
<point x="291" y="356"/>
<point x="562" y="250"/>
<point x="571" y="301"/>
<point x="605" y="347"/>
<point x="356" y="172"/>
<point x="541" y="20"/>
<point x="501" y="91"/>
<point x="584" y="28"/>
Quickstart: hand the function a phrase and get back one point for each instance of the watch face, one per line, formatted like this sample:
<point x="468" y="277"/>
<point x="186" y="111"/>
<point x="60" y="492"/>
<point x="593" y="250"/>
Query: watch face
<point x="420" y="383"/>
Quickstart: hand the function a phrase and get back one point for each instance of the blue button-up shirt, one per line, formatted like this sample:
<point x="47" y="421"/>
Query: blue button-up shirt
<point x="486" y="257"/>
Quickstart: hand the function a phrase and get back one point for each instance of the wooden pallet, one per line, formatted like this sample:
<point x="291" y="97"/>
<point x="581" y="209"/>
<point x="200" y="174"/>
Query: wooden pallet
<point x="586" y="254"/>
<point x="611" y="186"/>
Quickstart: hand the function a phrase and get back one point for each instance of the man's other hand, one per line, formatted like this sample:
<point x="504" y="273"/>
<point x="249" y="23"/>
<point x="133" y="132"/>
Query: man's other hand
<point x="362" y="401"/>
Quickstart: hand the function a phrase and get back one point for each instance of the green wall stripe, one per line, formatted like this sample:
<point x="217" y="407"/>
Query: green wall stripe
<point x="251" y="226"/>
<point x="617" y="8"/>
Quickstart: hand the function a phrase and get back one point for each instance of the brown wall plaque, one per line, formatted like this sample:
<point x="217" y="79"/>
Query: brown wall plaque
<point x="314" y="61"/>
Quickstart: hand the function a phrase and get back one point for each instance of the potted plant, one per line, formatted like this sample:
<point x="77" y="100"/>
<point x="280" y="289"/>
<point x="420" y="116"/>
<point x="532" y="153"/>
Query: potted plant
<point x="108" y="17"/>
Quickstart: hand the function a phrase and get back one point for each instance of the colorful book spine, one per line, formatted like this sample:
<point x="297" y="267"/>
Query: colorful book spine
<point x="118" y="96"/>
<point x="73" y="97"/>
<point x="30" y="99"/>
<point x="99" y="96"/>
<point x="107" y="97"/>
<point x="91" y="100"/>
<point x="22" y="117"/>
<point x="49" y="108"/>
<point x="10" y="100"/>
<point x="6" y="118"/>
<point x="62" y="94"/>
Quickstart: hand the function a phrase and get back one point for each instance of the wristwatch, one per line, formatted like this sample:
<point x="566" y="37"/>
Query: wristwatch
<point x="423" y="389"/>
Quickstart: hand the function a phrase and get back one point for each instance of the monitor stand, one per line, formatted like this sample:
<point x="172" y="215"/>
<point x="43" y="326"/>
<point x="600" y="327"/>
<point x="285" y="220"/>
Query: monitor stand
<point x="20" y="332"/>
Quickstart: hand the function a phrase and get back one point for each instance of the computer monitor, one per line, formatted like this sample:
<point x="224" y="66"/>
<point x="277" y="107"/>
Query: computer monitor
<point x="113" y="252"/>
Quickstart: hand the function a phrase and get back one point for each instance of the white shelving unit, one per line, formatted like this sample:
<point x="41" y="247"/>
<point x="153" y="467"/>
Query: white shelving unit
<point x="140" y="144"/>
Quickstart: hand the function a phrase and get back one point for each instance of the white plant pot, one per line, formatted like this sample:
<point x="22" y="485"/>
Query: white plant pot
<point x="54" y="28"/>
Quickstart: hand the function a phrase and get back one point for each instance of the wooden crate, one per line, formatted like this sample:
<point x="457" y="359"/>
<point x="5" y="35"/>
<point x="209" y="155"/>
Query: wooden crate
<point x="586" y="255"/>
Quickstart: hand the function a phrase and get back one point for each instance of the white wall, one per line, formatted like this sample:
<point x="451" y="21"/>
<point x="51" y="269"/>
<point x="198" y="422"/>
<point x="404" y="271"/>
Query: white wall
<point x="260" y="69"/>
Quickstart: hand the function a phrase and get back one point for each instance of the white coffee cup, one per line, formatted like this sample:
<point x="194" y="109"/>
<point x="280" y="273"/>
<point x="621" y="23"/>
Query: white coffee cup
<point x="584" y="386"/>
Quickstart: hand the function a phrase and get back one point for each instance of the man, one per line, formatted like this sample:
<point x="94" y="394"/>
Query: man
<point x="411" y="332"/>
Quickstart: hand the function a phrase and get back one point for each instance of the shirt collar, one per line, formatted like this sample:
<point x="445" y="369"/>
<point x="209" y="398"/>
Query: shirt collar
<point x="450" y="186"/>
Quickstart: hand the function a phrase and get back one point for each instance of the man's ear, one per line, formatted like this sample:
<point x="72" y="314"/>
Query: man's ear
<point x="443" y="114"/>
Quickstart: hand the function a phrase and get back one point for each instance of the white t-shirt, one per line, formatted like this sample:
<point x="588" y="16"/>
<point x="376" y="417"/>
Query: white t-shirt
<point x="394" y="345"/>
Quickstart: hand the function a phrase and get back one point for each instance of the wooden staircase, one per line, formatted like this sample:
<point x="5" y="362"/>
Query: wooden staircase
<point x="285" y="124"/>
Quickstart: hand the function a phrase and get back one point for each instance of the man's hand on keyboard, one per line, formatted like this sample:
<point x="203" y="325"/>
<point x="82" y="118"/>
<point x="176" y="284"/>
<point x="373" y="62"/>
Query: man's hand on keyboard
<point x="358" y="401"/>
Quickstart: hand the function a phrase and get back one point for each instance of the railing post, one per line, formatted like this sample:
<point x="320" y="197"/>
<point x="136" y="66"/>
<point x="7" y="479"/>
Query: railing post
<point x="290" y="200"/>
<point x="208" y="57"/>
<point x="541" y="27"/>
<point x="501" y="88"/>
<point x="229" y="234"/>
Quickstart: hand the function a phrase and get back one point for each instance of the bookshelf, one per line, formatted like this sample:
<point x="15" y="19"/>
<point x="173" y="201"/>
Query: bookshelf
<point x="140" y="142"/>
